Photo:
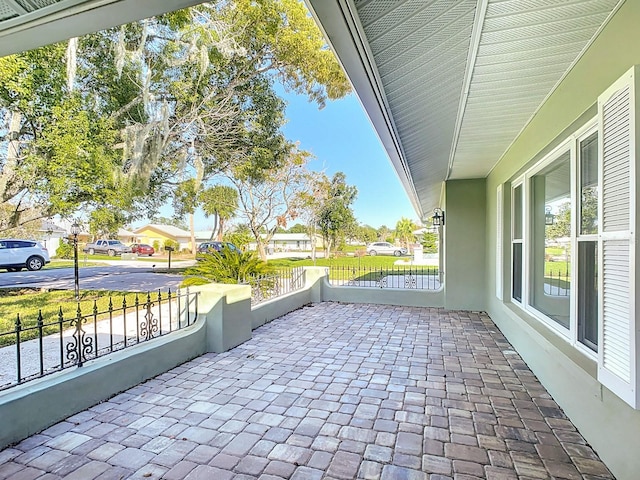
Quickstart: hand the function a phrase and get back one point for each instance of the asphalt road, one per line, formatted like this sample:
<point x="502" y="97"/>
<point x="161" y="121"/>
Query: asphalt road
<point x="120" y="278"/>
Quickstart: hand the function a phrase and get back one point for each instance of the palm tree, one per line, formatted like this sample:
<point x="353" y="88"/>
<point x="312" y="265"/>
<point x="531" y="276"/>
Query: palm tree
<point x="404" y="231"/>
<point x="221" y="201"/>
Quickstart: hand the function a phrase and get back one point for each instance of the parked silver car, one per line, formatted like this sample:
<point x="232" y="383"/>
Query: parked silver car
<point x="17" y="254"/>
<point x="385" y="248"/>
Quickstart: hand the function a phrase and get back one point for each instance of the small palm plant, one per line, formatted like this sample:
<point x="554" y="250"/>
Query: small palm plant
<point x="227" y="266"/>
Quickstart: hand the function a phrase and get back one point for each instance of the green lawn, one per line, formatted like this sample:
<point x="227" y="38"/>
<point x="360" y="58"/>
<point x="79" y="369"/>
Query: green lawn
<point x="556" y="269"/>
<point x="347" y="261"/>
<point x="84" y="257"/>
<point x="29" y="302"/>
<point x="366" y="268"/>
<point x="85" y="260"/>
<point x="63" y="263"/>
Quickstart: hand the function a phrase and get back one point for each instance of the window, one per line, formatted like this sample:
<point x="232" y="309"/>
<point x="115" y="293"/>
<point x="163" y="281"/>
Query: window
<point x="588" y="242"/>
<point x="516" y="243"/>
<point x="574" y="242"/>
<point x="555" y="223"/>
<point x="550" y="214"/>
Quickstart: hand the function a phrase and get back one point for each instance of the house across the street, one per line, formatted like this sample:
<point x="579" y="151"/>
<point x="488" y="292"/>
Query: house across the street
<point x="161" y="234"/>
<point x="291" y="242"/>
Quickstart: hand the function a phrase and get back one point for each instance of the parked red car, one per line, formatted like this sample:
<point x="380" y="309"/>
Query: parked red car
<point x="142" y="249"/>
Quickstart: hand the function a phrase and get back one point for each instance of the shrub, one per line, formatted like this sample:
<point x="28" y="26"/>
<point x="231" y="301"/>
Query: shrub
<point x="240" y="239"/>
<point x="194" y="281"/>
<point x="172" y="244"/>
<point x="430" y="242"/>
<point x="228" y="266"/>
<point x="156" y="245"/>
<point x="65" y="249"/>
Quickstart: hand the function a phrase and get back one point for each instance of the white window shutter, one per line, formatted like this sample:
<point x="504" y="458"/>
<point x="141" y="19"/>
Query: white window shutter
<point x="499" y="240"/>
<point x="618" y="335"/>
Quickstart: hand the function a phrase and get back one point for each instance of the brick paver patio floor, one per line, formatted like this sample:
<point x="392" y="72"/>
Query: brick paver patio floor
<point x="330" y="391"/>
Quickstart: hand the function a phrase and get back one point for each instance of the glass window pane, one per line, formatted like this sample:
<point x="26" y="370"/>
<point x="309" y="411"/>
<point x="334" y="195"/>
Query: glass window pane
<point x="551" y="240"/>
<point x="589" y="185"/>
<point x="517" y="212"/>
<point x="588" y="294"/>
<point x="517" y="272"/>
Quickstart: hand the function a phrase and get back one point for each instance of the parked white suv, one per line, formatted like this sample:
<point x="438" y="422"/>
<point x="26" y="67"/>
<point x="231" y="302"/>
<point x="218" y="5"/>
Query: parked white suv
<point x="18" y="254"/>
<point x="385" y="248"/>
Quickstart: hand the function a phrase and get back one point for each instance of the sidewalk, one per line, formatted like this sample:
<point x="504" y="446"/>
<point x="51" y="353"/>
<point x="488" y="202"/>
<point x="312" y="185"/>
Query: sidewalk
<point x="105" y="335"/>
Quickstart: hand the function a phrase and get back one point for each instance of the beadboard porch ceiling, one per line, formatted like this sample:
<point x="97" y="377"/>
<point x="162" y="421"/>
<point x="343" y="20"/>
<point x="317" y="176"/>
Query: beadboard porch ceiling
<point x="27" y="24"/>
<point x="449" y="84"/>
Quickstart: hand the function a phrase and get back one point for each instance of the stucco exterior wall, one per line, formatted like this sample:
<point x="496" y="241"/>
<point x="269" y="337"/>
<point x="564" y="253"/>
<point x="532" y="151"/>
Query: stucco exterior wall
<point x="609" y="424"/>
<point x="310" y="293"/>
<point x="40" y="403"/>
<point x="380" y="296"/>
<point x="464" y="245"/>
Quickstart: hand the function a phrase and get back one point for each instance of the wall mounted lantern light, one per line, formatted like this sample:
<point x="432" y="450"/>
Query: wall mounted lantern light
<point x="438" y="217"/>
<point x="549" y="218"/>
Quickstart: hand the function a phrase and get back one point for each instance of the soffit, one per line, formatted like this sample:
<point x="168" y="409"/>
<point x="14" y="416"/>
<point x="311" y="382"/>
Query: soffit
<point x="420" y="49"/>
<point x="525" y="49"/>
<point x="457" y="80"/>
<point x="27" y="24"/>
<point x="448" y="84"/>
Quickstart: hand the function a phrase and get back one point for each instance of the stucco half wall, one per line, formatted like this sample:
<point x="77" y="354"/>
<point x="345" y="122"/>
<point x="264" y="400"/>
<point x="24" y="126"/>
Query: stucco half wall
<point x="225" y="320"/>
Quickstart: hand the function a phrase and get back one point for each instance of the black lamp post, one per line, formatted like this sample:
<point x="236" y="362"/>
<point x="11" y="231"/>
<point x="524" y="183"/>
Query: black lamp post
<point x="75" y="230"/>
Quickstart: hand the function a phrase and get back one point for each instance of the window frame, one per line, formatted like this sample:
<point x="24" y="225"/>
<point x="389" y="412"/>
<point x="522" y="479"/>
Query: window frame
<point x="553" y="156"/>
<point x="499" y="272"/>
<point x="519" y="182"/>
<point x="570" y="144"/>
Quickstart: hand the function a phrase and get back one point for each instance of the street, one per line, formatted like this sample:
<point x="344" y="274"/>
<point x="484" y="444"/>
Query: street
<point x="123" y="277"/>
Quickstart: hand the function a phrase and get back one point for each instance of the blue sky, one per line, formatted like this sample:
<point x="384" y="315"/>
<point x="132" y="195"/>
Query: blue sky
<point x="341" y="138"/>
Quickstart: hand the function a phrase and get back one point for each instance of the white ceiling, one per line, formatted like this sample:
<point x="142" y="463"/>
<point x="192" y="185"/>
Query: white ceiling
<point x="27" y="24"/>
<point x="450" y="84"/>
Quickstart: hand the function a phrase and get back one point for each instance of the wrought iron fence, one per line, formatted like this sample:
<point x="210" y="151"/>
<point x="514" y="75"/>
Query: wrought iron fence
<point x="266" y="287"/>
<point x="80" y="337"/>
<point x="557" y="284"/>
<point x="412" y="277"/>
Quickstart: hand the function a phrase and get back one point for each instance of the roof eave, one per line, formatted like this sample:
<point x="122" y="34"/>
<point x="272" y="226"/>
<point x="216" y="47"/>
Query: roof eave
<point x="343" y="34"/>
<point x="77" y="17"/>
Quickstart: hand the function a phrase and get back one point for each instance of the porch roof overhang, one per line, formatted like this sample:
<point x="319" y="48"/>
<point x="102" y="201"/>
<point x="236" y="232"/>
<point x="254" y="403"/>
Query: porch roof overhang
<point x="449" y="85"/>
<point x="27" y="24"/>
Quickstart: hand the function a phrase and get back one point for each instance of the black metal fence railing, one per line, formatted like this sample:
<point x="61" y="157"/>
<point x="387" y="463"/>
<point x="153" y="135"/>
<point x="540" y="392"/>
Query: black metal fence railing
<point x="283" y="281"/>
<point x="79" y="337"/>
<point x="557" y="284"/>
<point x="412" y="277"/>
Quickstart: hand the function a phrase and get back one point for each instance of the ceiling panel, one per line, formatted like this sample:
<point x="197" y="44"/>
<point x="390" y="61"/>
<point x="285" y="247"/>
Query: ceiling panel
<point x="525" y="49"/>
<point x="420" y="49"/>
<point x="459" y="80"/>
